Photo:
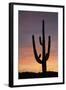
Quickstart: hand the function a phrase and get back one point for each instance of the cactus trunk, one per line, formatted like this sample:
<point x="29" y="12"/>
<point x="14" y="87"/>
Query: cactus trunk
<point x="44" y="67"/>
<point x="43" y="48"/>
<point x="45" y="55"/>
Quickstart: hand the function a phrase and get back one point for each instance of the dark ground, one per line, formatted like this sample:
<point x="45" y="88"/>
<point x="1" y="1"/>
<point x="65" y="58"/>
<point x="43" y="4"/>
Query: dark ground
<point x="27" y="75"/>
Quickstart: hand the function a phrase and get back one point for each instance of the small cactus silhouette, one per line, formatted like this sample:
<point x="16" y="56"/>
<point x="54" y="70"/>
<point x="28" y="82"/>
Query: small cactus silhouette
<point x="45" y="55"/>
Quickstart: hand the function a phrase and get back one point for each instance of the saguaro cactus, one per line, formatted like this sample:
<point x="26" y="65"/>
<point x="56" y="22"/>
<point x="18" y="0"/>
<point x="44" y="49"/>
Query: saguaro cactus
<point x="45" y="55"/>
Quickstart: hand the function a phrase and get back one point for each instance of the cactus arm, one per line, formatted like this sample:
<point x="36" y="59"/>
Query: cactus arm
<point x="35" y="52"/>
<point x="39" y="55"/>
<point x="40" y="41"/>
<point x="49" y="44"/>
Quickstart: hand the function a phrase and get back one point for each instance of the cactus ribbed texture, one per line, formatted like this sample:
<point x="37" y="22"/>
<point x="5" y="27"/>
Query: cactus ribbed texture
<point x="45" y="55"/>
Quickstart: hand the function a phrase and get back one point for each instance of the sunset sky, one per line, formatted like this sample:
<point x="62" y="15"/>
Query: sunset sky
<point x="31" y="23"/>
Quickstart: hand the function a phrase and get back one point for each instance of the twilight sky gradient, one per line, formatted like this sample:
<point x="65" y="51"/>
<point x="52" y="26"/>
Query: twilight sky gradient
<point x="31" y="23"/>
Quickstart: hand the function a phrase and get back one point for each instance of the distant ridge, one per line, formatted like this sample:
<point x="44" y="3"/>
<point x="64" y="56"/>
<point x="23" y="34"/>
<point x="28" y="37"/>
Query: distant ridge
<point x="27" y="75"/>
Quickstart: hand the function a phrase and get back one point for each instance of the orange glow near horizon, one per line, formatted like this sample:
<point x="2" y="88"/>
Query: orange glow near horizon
<point x="27" y="62"/>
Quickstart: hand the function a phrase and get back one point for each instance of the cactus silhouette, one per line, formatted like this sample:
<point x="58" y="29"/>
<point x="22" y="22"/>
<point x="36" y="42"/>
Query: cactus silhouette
<point x="45" y="55"/>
